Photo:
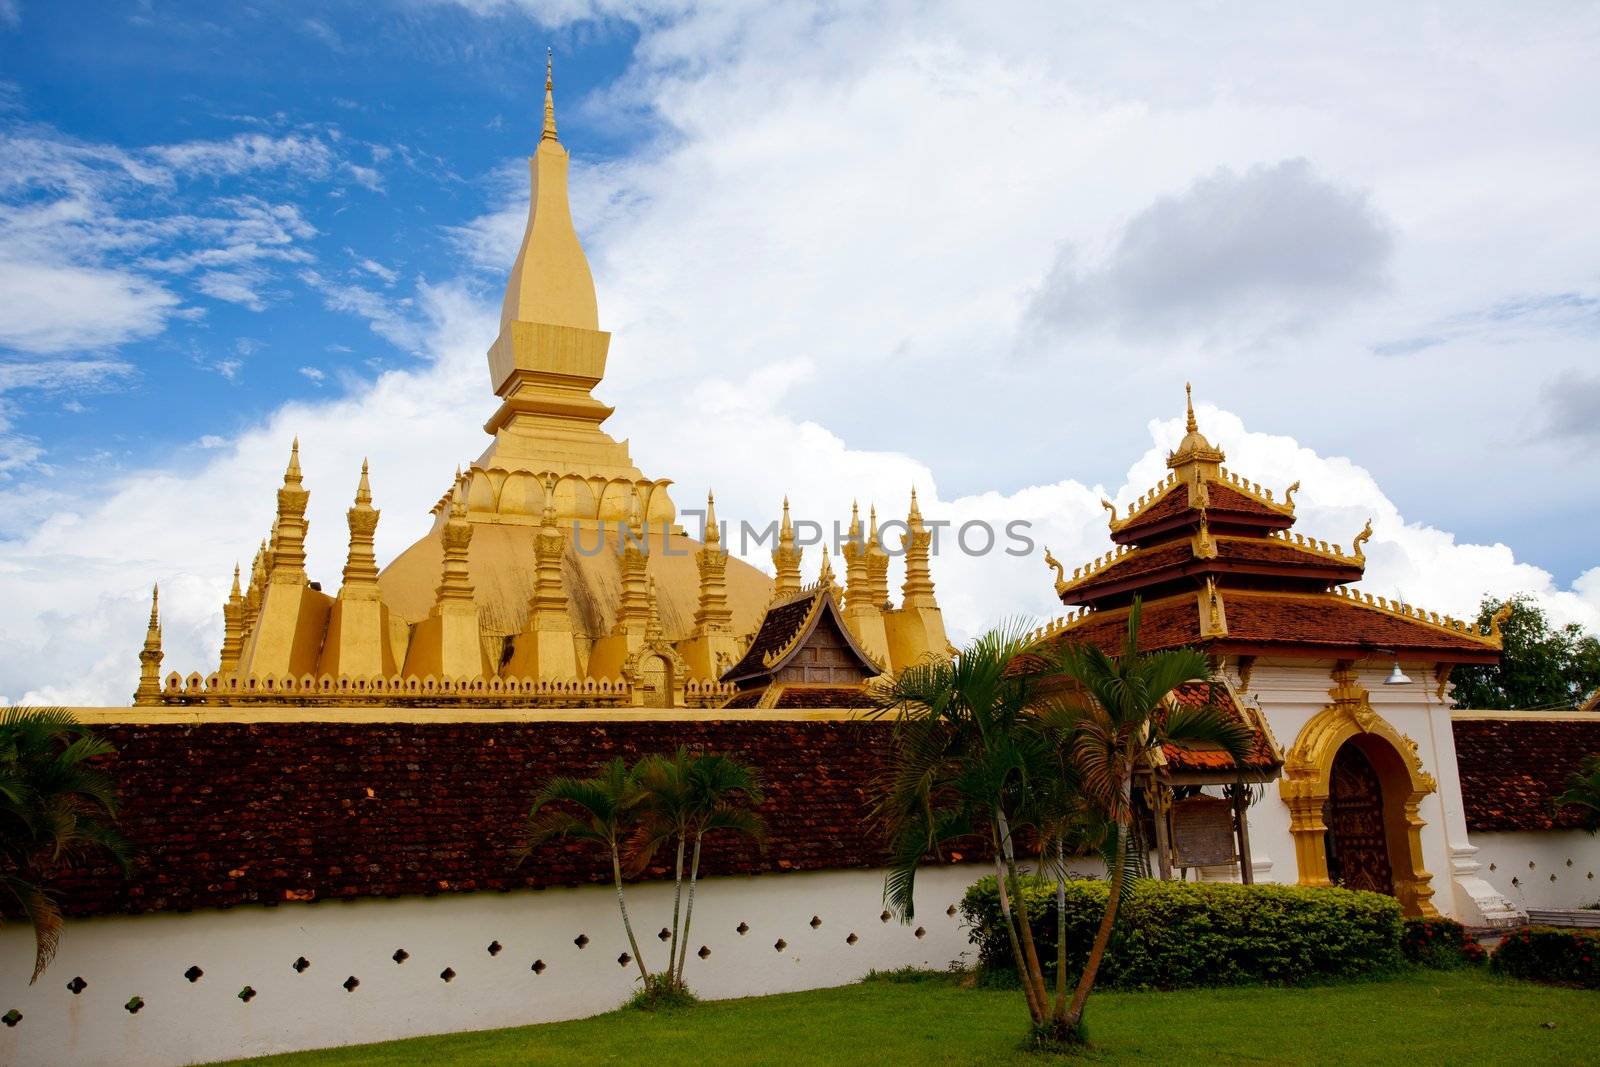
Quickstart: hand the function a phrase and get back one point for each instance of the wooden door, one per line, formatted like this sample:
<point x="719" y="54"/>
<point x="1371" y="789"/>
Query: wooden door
<point x="1358" y="849"/>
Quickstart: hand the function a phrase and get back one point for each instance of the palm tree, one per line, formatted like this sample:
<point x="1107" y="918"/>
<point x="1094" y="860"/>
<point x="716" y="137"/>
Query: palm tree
<point x="601" y="810"/>
<point x="1111" y="725"/>
<point x="969" y="760"/>
<point x="55" y="807"/>
<point x="687" y="797"/>
<point x="1583" y="791"/>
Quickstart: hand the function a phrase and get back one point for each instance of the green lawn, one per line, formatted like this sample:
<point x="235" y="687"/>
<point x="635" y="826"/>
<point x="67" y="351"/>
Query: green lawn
<point x="1418" y="1019"/>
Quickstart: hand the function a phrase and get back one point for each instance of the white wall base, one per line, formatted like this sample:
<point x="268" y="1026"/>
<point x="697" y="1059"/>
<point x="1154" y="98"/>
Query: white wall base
<point x="183" y="1022"/>
<point x="1551" y="869"/>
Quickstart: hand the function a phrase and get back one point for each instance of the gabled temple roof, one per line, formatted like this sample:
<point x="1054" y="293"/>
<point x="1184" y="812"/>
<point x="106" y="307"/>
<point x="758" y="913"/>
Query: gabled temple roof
<point x="1512" y="766"/>
<point x="784" y="632"/>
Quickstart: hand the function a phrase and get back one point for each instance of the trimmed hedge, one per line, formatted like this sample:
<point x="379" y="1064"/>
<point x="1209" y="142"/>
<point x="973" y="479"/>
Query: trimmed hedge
<point x="1546" y="954"/>
<point x="1439" y="943"/>
<point x="1172" y="934"/>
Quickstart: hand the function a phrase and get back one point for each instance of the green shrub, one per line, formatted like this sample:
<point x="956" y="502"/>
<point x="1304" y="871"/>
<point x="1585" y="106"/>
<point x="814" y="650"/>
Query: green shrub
<point x="1545" y="954"/>
<point x="1172" y="934"/>
<point x="1439" y="943"/>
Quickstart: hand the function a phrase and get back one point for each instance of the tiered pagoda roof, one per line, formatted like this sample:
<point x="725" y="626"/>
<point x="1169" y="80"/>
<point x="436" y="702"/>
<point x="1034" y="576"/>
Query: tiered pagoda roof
<point x="1217" y="564"/>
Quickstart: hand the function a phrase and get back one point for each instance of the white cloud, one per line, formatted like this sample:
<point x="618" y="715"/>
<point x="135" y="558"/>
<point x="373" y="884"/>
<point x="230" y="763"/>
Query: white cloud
<point x="51" y="308"/>
<point x="307" y="156"/>
<point x="313" y="374"/>
<point x="236" y="287"/>
<point x="210" y="441"/>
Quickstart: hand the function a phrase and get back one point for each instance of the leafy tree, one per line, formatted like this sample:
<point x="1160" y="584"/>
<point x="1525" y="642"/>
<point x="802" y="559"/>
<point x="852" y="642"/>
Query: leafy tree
<point x="1541" y="665"/>
<point x="55" y="807"/>
<point x="1005" y="742"/>
<point x="1113" y="728"/>
<point x="1583" y="792"/>
<point x="601" y="810"/>
<point x="967" y="761"/>
<point x="686" y="797"/>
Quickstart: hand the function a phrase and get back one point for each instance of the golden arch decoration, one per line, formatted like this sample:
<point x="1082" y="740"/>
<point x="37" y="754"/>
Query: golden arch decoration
<point x="1307" y="781"/>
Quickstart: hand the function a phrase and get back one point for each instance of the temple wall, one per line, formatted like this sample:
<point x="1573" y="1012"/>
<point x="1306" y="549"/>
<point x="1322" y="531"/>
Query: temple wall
<point x="182" y="1022"/>
<point x="1542" y="869"/>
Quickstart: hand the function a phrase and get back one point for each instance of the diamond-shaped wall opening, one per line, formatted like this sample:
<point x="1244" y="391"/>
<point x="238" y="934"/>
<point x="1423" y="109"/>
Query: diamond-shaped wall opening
<point x="194" y="974"/>
<point x="447" y="974"/>
<point x="351" y="983"/>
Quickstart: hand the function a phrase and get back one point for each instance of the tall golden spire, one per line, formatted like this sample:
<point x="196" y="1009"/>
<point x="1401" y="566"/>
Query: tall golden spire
<point x="786" y="557"/>
<point x="550" y="282"/>
<point x="1188" y="403"/>
<point x="877" y="563"/>
<point x="549" y="133"/>
<point x="713" y="614"/>
<point x="289" y="532"/>
<point x="232" y="629"/>
<point x="361" y="565"/>
<point x="917" y="590"/>
<point x="149" y="691"/>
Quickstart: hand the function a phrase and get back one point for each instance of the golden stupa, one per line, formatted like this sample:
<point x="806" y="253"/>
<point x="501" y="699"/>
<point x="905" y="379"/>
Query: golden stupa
<point x="555" y="570"/>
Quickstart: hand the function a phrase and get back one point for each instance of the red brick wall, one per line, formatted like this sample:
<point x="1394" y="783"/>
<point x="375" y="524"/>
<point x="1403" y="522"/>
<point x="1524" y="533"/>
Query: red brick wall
<point x="226" y="813"/>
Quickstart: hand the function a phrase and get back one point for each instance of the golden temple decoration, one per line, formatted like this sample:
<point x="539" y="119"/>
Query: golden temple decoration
<point x="863" y="606"/>
<point x="786" y="557"/>
<point x="232" y="628"/>
<point x="1055" y="564"/>
<point x="149" y="691"/>
<point x="1361" y="538"/>
<point x="1288" y="495"/>
<point x="877" y="564"/>
<point x="1500" y="618"/>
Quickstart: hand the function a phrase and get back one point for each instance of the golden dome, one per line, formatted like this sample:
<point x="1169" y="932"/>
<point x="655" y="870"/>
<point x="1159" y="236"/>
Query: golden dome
<point x="501" y="566"/>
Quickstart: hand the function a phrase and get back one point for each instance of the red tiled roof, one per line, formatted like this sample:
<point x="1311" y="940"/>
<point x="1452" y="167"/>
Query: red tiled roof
<point x="1165" y="623"/>
<point x="1261" y="758"/>
<point x="820" y="696"/>
<point x="1334" y="622"/>
<point x="1226" y="504"/>
<point x="1177" y="558"/>
<point x="1511" y="768"/>
<point x="1225" y="497"/>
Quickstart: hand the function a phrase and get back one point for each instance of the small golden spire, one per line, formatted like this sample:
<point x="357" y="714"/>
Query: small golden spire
<point x="549" y="133"/>
<point x="363" y="487"/>
<point x="825" y="575"/>
<point x="291" y="476"/>
<point x="713" y="536"/>
<point x="1188" y="402"/>
<point x="855" y="521"/>
<point x="549" y="515"/>
<point x="235" y="581"/>
<point x="149" y="691"/>
<point x="916" y="513"/>
<point x="787" y="527"/>
<point x="872" y="524"/>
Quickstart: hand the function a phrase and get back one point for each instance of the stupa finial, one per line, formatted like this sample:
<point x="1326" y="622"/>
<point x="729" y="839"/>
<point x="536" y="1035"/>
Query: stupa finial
<point x="549" y="133"/>
<point x="1188" y="402"/>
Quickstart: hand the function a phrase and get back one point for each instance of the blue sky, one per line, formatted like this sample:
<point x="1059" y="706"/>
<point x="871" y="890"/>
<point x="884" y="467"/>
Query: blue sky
<point x="842" y="249"/>
<point x="424" y="101"/>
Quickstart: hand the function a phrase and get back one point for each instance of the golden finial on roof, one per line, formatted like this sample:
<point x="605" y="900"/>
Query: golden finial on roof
<point x="916" y="513"/>
<point x="235" y="580"/>
<point x="1188" y="403"/>
<point x="786" y="527"/>
<point x="825" y="575"/>
<point x="291" y="475"/>
<point x="549" y="133"/>
<point x="363" y="487"/>
<point x="155" y="609"/>
<point x="872" y="524"/>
